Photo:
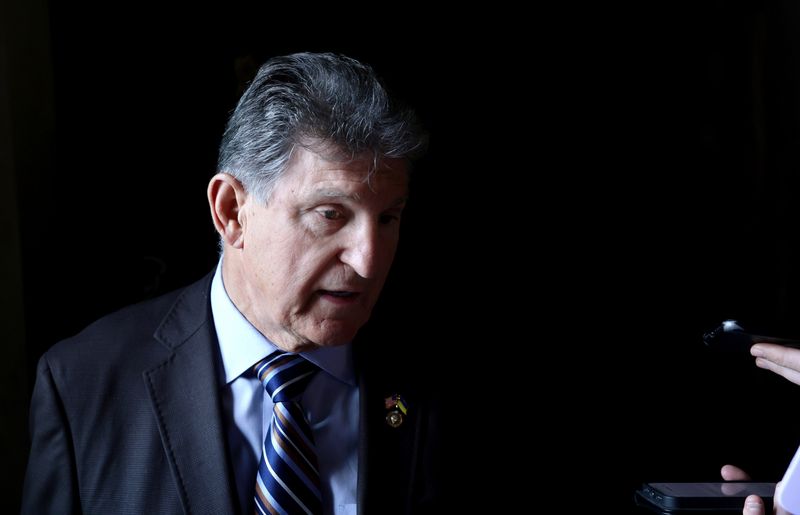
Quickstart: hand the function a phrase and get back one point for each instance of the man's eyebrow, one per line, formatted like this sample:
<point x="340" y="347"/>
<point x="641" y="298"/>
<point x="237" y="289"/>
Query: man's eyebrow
<point x="400" y="201"/>
<point x="328" y="194"/>
<point x="355" y="197"/>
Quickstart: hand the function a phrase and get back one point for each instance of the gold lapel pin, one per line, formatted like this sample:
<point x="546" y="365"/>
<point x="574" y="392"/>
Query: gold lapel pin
<point x="397" y="409"/>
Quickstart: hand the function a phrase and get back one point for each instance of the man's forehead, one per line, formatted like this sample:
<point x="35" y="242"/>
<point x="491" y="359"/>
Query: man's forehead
<point x="365" y="169"/>
<point x="310" y="174"/>
<point x="326" y="155"/>
<point x="359" y="171"/>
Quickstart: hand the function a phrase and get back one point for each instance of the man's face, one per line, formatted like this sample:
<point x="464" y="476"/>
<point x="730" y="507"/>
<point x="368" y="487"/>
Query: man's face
<point x="315" y="257"/>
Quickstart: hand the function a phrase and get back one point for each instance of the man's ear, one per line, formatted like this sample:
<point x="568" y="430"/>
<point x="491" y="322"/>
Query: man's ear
<point x="226" y="198"/>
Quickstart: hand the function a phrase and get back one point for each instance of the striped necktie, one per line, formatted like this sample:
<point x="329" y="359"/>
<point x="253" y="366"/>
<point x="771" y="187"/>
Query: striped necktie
<point x="287" y="479"/>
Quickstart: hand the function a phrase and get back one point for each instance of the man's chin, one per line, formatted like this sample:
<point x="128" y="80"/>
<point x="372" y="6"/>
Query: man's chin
<point x="333" y="334"/>
<point x="334" y="340"/>
<point x="304" y="345"/>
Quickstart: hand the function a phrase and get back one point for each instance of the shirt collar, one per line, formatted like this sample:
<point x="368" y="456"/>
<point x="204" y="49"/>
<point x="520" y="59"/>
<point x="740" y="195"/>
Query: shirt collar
<point x="242" y="345"/>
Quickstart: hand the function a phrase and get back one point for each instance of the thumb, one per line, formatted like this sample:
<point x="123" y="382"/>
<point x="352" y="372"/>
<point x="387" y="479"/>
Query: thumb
<point x="753" y="505"/>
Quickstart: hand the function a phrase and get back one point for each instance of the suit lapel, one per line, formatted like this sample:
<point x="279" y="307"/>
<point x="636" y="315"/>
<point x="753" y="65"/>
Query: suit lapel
<point x="387" y="455"/>
<point x="185" y="394"/>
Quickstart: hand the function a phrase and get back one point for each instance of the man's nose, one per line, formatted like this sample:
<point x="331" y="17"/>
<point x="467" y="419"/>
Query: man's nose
<point x="361" y="253"/>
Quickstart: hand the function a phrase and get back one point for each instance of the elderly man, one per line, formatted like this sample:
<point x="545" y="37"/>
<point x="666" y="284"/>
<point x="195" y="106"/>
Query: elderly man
<point x="245" y="391"/>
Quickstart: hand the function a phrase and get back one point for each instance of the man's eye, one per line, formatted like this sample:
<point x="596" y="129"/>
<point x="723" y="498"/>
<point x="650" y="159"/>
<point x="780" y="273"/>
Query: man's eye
<point x="388" y="219"/>
<point x="331" y="214"/>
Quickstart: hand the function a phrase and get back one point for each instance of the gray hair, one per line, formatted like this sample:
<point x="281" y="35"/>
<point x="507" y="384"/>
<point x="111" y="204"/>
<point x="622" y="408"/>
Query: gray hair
<point x="328" y="103"/>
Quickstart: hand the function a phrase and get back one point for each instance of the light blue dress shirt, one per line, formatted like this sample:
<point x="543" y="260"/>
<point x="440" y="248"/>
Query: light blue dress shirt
<point x="330" y="403"/>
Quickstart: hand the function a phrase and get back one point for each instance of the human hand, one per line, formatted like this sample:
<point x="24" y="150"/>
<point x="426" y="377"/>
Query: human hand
<point x="753" y="505"/>
<point x="781" y="360"/>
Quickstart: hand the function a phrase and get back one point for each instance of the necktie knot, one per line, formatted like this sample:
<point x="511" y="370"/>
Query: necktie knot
<point x="285" y="376"/>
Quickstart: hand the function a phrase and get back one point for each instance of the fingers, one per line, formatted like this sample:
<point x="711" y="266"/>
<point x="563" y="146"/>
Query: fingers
<point x="733" y="473"/>
<point x="733" y="488"/>
<point x="753" y="505"/>
<point x="783" y="361"/>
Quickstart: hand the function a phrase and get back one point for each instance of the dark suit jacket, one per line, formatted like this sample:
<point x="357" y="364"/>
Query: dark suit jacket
<point x="126" y="418"/>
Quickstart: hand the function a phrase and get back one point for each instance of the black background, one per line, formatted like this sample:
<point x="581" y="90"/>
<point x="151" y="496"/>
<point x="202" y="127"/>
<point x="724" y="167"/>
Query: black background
<point x="604" y="184"/>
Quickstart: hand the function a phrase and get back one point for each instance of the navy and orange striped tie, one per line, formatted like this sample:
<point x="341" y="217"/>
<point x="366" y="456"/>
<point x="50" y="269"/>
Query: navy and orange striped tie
<point x="288" y="478"/>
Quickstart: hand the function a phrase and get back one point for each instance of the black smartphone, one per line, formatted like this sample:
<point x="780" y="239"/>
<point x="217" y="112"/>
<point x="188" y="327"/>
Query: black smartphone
<point x="730" y="335"/>
<point x="720" y="497"/>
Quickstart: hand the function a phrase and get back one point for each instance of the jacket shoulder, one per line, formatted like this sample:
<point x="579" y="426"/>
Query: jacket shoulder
<point x="129" y="332"/>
